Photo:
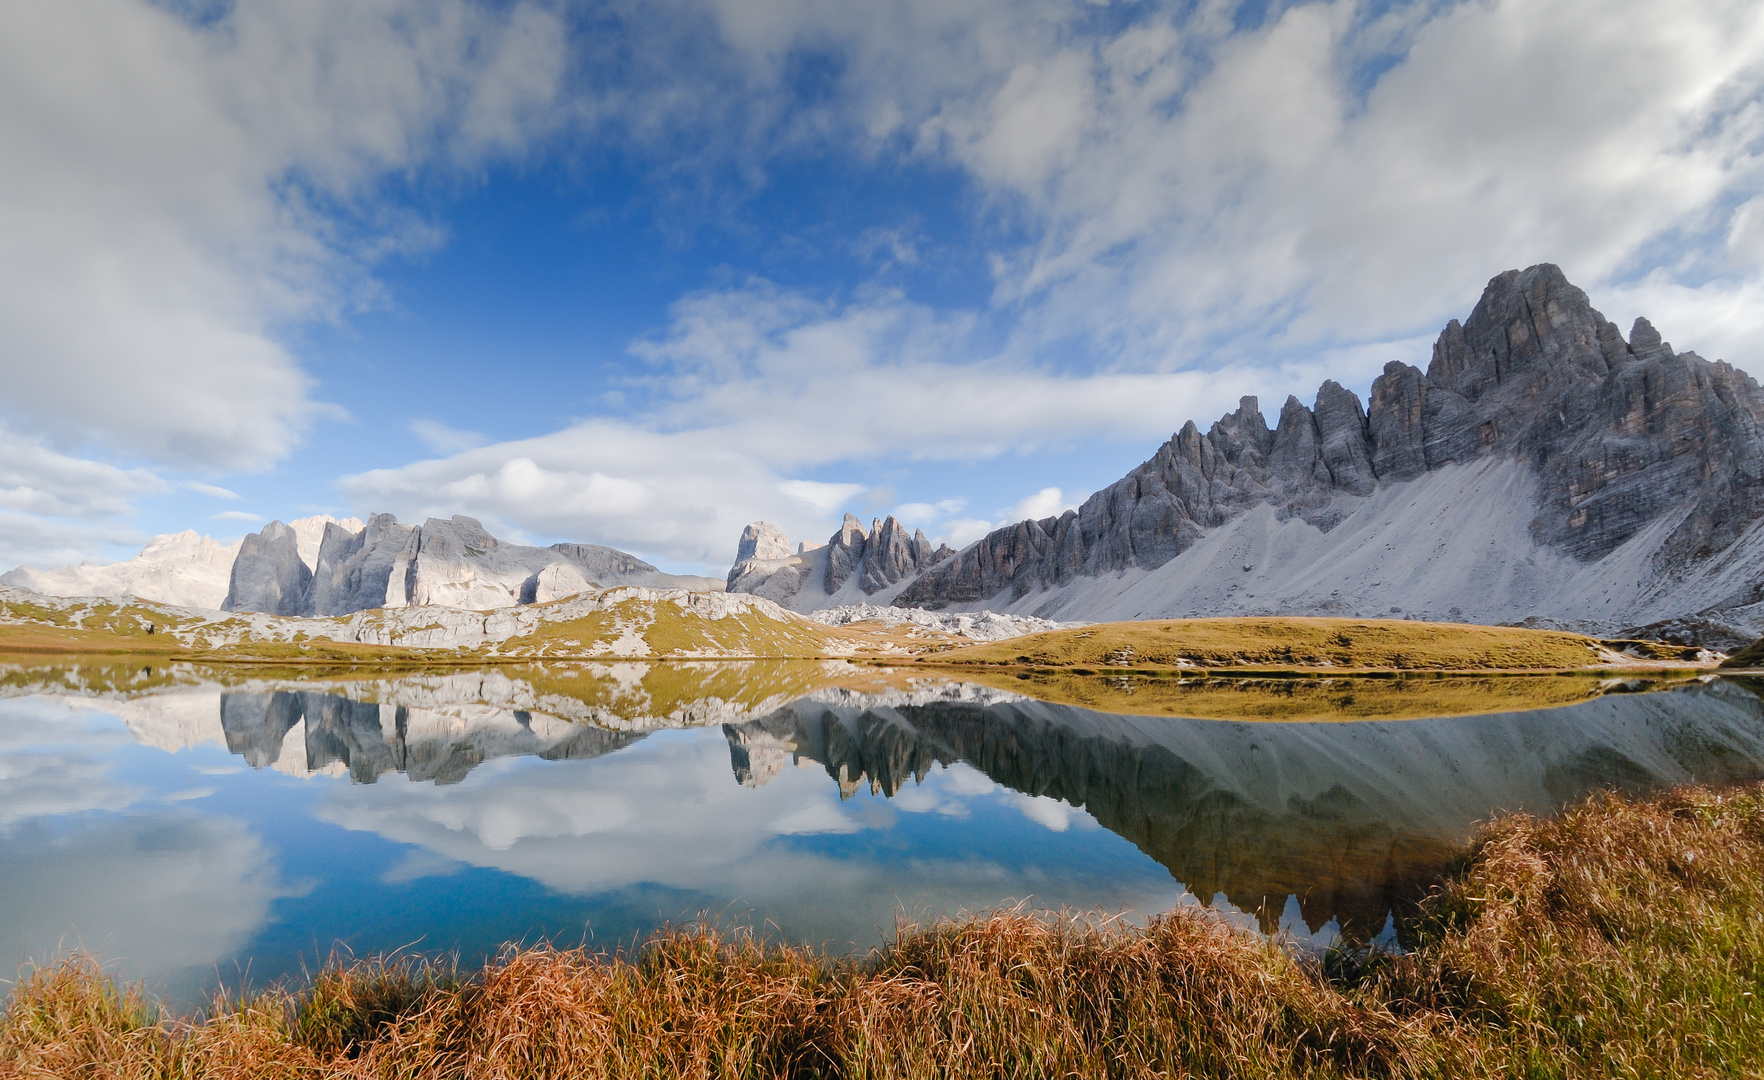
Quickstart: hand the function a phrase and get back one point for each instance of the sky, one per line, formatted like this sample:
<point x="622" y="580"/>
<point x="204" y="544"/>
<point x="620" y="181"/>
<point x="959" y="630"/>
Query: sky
<point x="640" y="272"/>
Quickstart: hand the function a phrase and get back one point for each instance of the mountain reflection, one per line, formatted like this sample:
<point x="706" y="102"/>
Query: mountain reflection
<point x="368" y="739"/>
<point x="1351" y="819"/>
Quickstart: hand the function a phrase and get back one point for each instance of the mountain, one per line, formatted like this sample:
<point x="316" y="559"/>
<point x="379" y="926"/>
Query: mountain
<point x="454" y="563"/>
<point x="1543" y="468"/>
<point x="185" y="569"/>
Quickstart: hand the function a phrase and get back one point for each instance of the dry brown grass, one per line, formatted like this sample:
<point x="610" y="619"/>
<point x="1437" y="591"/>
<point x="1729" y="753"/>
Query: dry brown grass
<point x="1292" y="642"/>
<point x="1623" y="939"/>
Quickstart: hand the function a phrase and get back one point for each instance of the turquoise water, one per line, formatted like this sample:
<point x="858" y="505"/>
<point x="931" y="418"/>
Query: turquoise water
<point x="193" y="833"/>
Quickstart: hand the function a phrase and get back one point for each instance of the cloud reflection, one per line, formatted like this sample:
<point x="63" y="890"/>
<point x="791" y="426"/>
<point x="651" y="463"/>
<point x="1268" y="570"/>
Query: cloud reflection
<point x="666" y="812"/>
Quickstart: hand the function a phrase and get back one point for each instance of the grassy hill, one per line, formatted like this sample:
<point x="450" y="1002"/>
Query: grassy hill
<point x="1295" y="643"/>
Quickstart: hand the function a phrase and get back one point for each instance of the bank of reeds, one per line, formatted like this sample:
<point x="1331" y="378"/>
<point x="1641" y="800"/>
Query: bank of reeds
<point x="1622" y="938"/>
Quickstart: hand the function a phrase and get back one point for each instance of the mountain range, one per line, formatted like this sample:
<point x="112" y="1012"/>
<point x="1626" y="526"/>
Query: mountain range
<point x="1544" y="469"/>
<point x="322" y="566"/>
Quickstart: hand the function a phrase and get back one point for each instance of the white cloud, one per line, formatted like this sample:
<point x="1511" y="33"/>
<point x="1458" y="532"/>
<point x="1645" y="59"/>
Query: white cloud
<point x="237" y="515"/>
<point x="174" y="191"/>
<point x="1046" y="503"/>
<point x="443" y="439"/>
<point x="759" y="384"/>
<point x="55" y="508"/>
<point x="1175" y="191"/>
<point x="210" y="490"/>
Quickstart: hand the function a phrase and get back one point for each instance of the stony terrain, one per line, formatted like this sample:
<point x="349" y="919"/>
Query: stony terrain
<point x="631" y="622"/>
<point x="1543" y="467"/>
<point x="973" y="626"/>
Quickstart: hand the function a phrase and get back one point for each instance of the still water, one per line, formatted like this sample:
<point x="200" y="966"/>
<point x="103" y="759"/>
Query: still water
<point x="195" y="826"/>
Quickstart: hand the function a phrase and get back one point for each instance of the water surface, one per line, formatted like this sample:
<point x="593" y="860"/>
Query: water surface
<point x="196" y="825"/>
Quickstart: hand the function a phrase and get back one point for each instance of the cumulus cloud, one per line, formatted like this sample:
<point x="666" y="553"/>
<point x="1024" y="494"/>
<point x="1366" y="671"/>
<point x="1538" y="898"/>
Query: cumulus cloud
<point x="55" y="507"/>
<point x="1192" y="209"/>
<point x="756" y="386"/>
<point x="1339" y="173"/>
<point x="175" y="191"/>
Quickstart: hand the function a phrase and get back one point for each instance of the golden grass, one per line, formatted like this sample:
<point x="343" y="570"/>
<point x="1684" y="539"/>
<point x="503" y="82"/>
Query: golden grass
<point x="1622" y="939"/>
<point x="1343" y="644"/>
<point x="1335" y="697"/>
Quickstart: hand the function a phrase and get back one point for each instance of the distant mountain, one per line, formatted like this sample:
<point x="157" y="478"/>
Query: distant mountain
<point x="324" y="566"/>
<point x="453" y="563"/>
<point x="1543" y="468"/>
<point x="185" y="569"/>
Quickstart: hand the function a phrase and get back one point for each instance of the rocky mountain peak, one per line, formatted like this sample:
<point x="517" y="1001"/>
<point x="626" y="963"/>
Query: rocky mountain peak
<point x="453" y="562"/>
<point x="1622" y="439"/>
<point x="762" y="540"/>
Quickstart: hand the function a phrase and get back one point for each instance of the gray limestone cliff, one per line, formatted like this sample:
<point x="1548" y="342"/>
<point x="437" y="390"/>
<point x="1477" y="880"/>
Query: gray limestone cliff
<point x="453" y="563"/>
<point x="268" y="575"/>
<point x="1620" y="434"/>
<point x="873" y="559"/>
<point x="1640" y="470"/>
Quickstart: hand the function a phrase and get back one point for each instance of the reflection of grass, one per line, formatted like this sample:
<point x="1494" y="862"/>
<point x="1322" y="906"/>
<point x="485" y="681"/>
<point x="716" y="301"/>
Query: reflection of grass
<point x="1341" y="697"/>
<point x="1621" y="939"/>
<point x="1291" y="642"/>
<point x="631" y="691"/>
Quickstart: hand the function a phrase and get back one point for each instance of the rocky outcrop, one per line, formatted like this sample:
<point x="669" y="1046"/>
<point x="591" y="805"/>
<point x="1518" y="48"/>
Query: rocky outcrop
<point x="762" y="540"/>
<point x="355" y="568"/>
<point x="452" y="563"/>
<point x="845" y="552"/>
<point x="268" y="575"/>
<point x="1625" y="444"/>
<point x="874" y="560"/>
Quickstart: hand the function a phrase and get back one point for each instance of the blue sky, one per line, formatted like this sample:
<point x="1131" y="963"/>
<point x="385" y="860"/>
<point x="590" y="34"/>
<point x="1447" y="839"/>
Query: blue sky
<point x="639" y="273"/>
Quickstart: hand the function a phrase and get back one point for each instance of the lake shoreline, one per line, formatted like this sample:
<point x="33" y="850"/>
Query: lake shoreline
<point x="1574" y="940"/>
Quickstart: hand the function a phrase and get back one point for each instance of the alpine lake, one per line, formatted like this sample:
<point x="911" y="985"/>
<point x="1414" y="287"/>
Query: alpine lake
<point x="198" y="827"/>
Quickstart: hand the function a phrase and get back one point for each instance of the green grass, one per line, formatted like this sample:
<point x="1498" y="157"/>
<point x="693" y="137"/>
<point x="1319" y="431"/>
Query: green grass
<point x="1347" y="644"/>
<point x="1622" y="939"/>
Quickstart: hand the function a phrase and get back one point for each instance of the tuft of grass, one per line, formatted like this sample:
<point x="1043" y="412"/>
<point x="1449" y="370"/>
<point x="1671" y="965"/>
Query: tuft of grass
<point x="1620" y="939"/>
<point x="1293" y="643"/>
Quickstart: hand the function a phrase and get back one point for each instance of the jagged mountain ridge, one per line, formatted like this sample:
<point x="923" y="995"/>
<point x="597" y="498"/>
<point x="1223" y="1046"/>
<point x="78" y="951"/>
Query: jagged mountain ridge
<point x="1542" y="467"/>
<point x="869" y="561"/>
<point x="186" y="569"/>
<point x="454" y="563"/>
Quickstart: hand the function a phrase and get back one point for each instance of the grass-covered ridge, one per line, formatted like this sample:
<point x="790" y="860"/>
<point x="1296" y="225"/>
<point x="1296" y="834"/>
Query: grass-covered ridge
<point x="1298" y="643"/>
<point x="1620" y="939"/>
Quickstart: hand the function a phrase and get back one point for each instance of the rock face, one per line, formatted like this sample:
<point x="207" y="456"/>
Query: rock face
<point x="268" y="575"/>
<point x="871" y="560"/>
<point x="453" y="563"/>
<point x="354" y="568"/>
<point x="762" y="540"/>
<point x="1640" y="470"/>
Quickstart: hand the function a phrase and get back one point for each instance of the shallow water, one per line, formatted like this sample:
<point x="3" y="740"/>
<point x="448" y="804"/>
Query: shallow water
<point x="194" y="826"/>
